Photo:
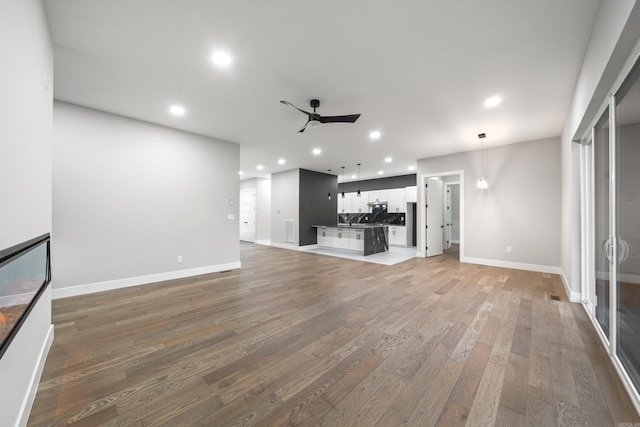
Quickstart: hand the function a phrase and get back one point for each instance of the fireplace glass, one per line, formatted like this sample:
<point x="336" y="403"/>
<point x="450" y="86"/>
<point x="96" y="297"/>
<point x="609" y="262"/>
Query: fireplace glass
<point x="24" y="274"/>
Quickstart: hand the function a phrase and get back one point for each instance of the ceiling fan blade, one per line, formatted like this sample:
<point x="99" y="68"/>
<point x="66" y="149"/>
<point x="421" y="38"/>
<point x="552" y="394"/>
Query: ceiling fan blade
<point x="339" y="119"/>
<point x="305" y="126"/>
<point x="291" y="105"/>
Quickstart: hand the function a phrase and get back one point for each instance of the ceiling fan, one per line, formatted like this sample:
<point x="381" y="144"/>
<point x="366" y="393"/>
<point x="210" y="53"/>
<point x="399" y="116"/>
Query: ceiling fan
<point x="314" y="119"/>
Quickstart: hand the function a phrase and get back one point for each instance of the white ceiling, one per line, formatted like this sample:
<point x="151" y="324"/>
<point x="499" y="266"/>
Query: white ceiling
<point x="418" y="71"/>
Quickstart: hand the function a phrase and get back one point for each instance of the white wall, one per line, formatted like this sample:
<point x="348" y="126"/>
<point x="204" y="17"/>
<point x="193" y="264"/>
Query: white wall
<point x="262" y="187"/>
<point x="521" y="207"/>
<point x="25" y="183"/>
<point x="129" y="197"/>
<point x="614" y="36"/>
<point x="285" y="190"/>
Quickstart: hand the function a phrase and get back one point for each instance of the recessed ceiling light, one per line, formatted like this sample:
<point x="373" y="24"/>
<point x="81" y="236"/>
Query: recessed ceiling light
<point x="493" y="101"/>
<point x="380" y="172"/>
<point x="388" y="159"/>
<point x="375" y="134"/>
<point x="221" y="58"/>
<point x="177" y="110"/>
<point x="316" y="151"/>
<point x="411" y="168"/>
<point x="281" y="161"/>
<point x="259" y="167"/>
<point x="239" y="172"/>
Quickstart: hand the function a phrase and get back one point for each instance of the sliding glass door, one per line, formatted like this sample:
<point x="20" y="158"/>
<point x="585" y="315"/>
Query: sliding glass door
<point x="627" y="223"/>
<point x="601" y="208"/>
<point x="611" y="218"/>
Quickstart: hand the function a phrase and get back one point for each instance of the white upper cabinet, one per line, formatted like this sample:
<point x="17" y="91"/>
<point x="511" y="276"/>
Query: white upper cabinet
<point x="378" y="196"/>
<point x="359" y="204"/>
<point x="352" y="203"/>
<point x="344" y="205"/>
<point x="412" y="194"/>
<point x="396" y="201"/>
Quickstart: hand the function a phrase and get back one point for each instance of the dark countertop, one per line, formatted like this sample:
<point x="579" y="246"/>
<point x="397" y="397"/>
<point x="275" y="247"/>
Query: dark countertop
<point x="350" y="226"/>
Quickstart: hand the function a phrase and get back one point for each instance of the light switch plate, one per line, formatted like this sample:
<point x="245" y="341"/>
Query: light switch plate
<point x="231" y="217"/>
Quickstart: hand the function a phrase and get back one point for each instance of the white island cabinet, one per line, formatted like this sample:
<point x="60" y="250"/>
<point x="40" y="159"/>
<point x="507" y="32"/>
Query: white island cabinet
<point x="356" y="240"/>
<point x="341" y="239"/>
<point x="325" y="237"/>
<point x="363" y="239"/>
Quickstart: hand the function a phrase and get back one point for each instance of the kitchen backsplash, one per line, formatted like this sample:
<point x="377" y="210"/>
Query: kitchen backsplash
<point x="370" y="218"/>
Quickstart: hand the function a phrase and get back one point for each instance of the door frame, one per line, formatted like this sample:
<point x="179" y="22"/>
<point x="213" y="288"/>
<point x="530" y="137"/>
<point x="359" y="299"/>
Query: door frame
<point x="422" y="217"/>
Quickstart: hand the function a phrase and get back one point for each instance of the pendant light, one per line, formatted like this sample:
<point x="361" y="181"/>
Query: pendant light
<point x="482" y="183"/>
<point x="328" y="196"/>
<point x="358" y="193"/>
<point x="343" y="181"/>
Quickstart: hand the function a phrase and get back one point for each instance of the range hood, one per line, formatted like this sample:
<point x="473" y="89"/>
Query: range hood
<point x="376" y="203"/>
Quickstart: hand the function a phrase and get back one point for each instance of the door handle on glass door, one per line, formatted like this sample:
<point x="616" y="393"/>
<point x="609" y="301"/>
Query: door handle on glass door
<point x="606" y="248"/>
<point x="623" y="250"/>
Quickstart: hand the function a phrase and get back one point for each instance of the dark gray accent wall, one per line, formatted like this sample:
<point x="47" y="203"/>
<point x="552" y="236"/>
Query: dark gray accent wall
<point x="387" y="183"/>
<point x="315" y="208"/>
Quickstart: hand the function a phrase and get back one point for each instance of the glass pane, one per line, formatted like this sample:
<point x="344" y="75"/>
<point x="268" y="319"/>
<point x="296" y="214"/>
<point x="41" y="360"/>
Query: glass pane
<point x="601" y="219"/>
<point x="20" y="279"/>
<point x="627" y="144"/>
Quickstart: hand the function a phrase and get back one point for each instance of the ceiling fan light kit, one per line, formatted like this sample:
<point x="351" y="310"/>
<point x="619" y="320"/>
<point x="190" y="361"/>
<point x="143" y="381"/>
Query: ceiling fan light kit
<point x="314" y="119"/>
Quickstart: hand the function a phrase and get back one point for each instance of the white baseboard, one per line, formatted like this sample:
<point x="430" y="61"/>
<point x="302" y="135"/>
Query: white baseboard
<point x="457" y="242"/>
<point x="25" y="411"/>
<point x="291" y="246"/>
<point x="266" y="242"/>
<point x="573" y="295"/>
<point x="515" y="265"/>
<point x="140" y="280"/>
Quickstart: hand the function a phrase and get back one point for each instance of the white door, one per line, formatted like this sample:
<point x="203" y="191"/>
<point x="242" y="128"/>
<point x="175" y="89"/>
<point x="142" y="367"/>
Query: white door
<point x="435" y="217"/>
<point x="248" y="215"/>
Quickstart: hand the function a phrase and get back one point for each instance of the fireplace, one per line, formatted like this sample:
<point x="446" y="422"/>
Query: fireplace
<point x="25" y="272"/>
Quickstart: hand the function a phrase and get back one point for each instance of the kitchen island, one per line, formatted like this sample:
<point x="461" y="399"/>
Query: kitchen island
<point x="366" y="239"/>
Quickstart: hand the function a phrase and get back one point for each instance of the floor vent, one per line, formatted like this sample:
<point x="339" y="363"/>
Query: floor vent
<point x="555" y="297"/>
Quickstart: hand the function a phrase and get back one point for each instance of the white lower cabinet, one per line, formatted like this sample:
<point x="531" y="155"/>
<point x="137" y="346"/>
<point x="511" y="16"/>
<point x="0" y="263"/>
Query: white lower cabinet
<point x="325" y="237"/>
<point x="397" y="235"/>
<point x="356" y="240"/>
<point x="341" y="239"/>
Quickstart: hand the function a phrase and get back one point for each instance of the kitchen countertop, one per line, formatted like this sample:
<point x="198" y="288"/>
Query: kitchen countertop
<point x="350" y="226"/>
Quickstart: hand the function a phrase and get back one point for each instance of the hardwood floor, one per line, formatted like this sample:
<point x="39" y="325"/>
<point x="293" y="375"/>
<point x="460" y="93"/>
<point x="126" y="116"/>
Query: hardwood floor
<point x="299" y="339"/>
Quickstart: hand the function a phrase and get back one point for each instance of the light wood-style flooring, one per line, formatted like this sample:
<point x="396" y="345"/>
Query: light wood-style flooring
<point x="300" y="339"/>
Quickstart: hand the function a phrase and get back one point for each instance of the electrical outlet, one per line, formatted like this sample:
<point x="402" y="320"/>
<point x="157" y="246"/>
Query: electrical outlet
<point x="179" y="258"/>
<point x="508" y="249"/>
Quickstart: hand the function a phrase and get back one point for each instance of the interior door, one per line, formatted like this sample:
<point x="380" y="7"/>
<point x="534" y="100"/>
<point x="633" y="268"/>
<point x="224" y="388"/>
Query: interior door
<point x="435" y="217"/>
<point x="248" y="215"/>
